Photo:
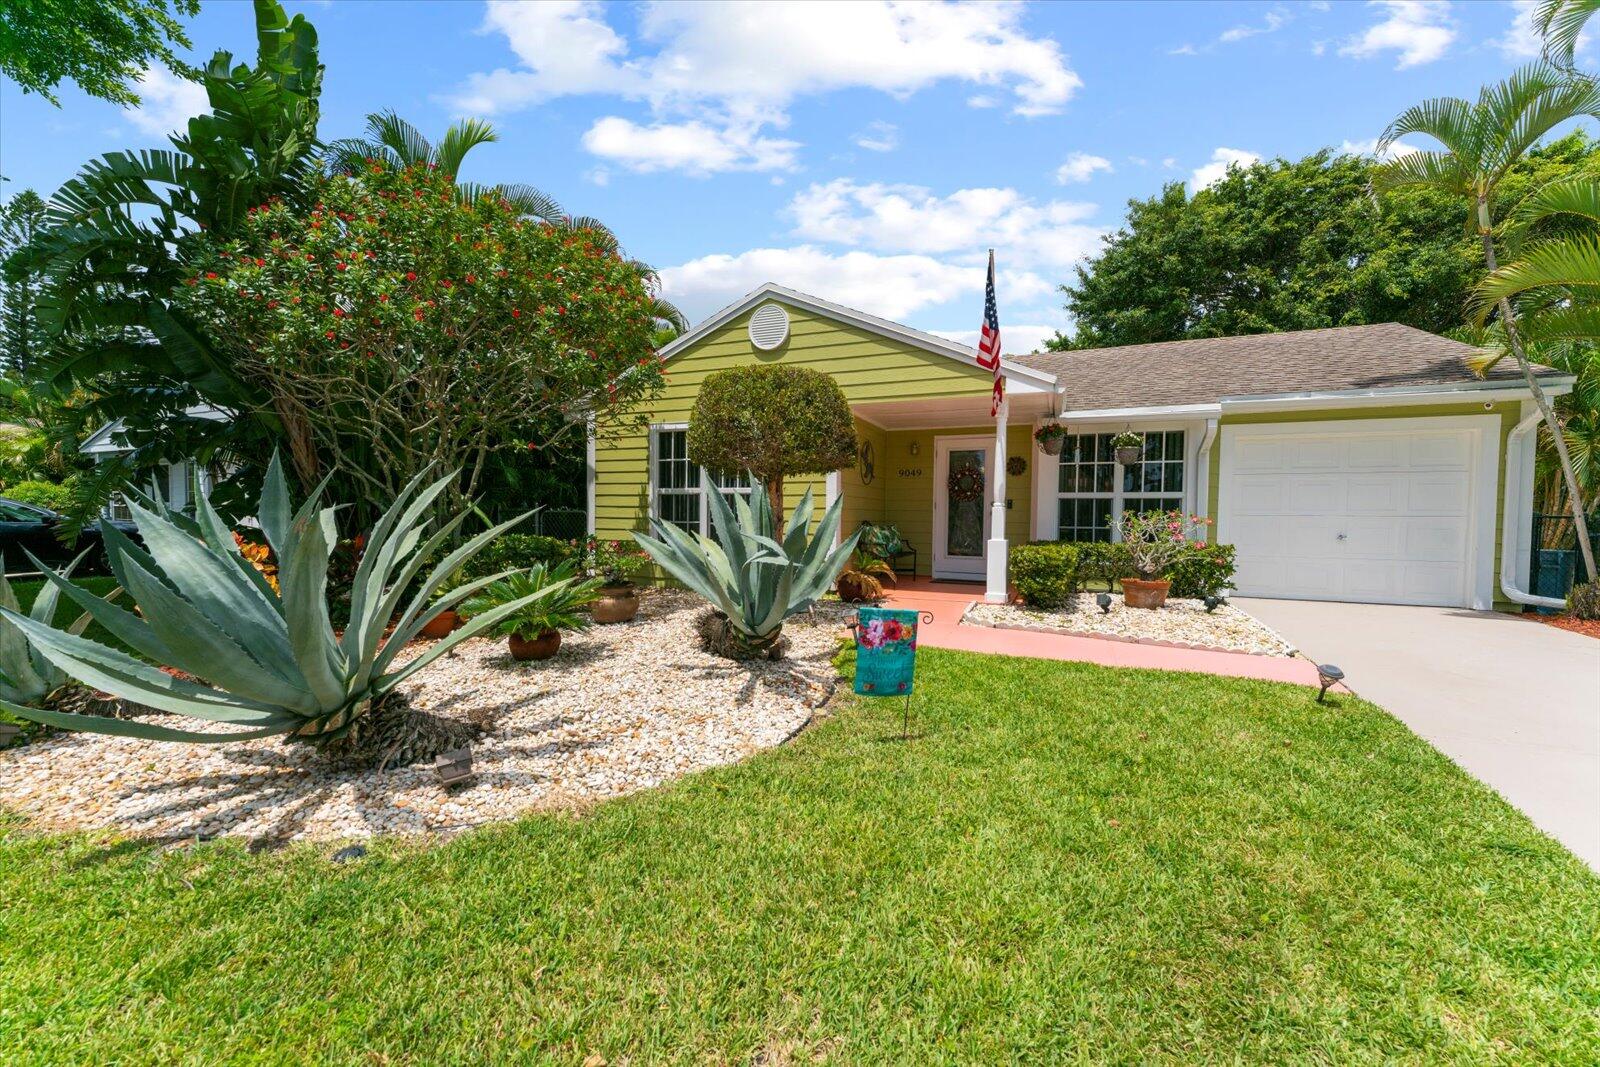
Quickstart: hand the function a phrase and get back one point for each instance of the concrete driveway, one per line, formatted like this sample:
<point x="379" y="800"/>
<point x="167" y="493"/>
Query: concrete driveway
<point x="1514" y="702"/>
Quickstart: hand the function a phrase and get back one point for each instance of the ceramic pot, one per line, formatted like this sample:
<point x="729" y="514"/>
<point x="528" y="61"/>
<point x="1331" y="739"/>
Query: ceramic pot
<point x="1137" y="593"/>
<point x="441" y="624"/>
<point x="544" y="646"/>
<point x="617" y="603"/>
<point x="1129" y="456"/>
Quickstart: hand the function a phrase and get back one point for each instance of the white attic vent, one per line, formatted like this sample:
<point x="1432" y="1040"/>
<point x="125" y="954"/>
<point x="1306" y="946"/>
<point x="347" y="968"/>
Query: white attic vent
<point x="769" y="327"/>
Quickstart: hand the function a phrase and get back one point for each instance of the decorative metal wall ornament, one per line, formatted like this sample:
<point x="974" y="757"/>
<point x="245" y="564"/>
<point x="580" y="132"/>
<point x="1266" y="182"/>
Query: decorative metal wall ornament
<point x="965" y="482"/>
<point x="867" y="462"/>
<point x="1016" y="466"/>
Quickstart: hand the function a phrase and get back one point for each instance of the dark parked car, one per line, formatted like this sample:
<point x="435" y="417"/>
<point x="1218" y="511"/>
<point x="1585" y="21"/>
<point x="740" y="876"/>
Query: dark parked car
<point x="27" y="526"/>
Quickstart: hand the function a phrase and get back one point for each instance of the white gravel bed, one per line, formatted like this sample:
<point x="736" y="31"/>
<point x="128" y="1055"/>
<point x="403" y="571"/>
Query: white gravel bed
<point x="1180" y="624"/>
<point x="620" y="708"/>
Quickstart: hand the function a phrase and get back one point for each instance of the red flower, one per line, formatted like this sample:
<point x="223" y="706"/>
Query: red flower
<point x="329" y="335"/>
<point x="411" y="275"/>
<point x="471" y="279"/>
<point x="211" y="275"/>
<point x="344" y="266"/>
<point x="338" y="313"/>
<point x="516" y="313"/>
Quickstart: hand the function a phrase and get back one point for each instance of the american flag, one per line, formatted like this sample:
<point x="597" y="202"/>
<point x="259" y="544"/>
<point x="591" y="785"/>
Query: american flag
<point x="989" y="342"/>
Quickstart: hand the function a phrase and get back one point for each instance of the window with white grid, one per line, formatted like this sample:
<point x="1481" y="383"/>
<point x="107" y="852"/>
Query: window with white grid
<point x="679" y="489"/>
<point x="1094" y="490"/>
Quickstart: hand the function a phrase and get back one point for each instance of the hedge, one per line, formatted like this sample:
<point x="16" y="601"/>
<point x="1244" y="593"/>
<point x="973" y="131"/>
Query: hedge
<point x="1201" y="569"/>
<point x="1045" y="573"/>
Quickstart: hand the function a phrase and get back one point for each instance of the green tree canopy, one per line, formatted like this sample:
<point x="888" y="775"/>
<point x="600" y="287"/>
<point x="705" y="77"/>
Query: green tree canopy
<point x="1293" y="245"/>
<point x="100" y="44"/>
<point x="773" y="421"/>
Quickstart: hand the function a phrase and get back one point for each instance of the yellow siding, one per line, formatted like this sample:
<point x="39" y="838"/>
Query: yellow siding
<point x="1508" y="413"/>
<point x="866" y="366"/>
<point x="908" y="497"/>
<point x="863" y="501"/>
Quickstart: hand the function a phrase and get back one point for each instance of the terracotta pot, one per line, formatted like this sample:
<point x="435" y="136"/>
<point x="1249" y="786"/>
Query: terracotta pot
<point x="617" y="603"/>
<point x="441" y="624"/>
<point x="1137" y="593"/>
<point x="544" y="646"/>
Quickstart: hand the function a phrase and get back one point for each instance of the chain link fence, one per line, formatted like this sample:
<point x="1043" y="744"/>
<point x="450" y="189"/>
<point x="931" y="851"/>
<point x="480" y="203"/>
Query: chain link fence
<point x="1554" y="562"/>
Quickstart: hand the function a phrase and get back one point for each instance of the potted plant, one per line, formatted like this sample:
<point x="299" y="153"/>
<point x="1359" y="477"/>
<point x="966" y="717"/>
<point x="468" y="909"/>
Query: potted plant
<point x="445" y="622"/>
<point x="1050" y="437"/>
<point x="534" y="632"/>
<point x="862" y="579"/>
<point x="1128" y="446"/>
<point x="1153" y="539"/>
<point x="613" y="565"/>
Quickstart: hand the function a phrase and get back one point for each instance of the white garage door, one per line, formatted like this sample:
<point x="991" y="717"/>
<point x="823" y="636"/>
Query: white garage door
<point x="1381" y="511"/>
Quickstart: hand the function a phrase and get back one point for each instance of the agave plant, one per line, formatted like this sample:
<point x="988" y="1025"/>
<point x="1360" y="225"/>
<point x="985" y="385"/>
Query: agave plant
<point x="274" y="664"/>
<point x="746" y="573"/>
<point x="26" y="677"/>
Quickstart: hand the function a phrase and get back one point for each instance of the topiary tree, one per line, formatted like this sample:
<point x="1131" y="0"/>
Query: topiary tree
<point x="773" y="421"/>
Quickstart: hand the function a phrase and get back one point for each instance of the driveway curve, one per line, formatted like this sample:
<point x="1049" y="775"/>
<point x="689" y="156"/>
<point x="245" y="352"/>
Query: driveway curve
<point x="1514" y="702"/>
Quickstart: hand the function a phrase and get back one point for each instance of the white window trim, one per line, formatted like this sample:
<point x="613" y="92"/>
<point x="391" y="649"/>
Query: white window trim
<point x="1047" y="497"/>
<point x="656" y="429"/>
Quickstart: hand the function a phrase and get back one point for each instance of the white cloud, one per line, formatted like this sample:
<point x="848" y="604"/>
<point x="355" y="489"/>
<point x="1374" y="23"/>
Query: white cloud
<point x="1017" y="339"/>
<point x="910" y="218"/>
<point x="1370" y="148"/>
<point x="743" y="62"/>
<point x="166" y="102"/>
<point x="1170" y="162"/>
<point x="692" y="147"/>
<point x="1080" y="167"/>
<point x="1419" y="30"/>
<point x="1274" y="21"/>
<point x="879" y="137"/>
<point x="1183" y="50"/>
<point x="894" y="287"/>
<point x="1217" y="169"/>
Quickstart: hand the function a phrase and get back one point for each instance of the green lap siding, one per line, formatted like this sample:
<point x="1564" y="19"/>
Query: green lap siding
<point x="868" y="368"/>
<point x="1508" y="412"/>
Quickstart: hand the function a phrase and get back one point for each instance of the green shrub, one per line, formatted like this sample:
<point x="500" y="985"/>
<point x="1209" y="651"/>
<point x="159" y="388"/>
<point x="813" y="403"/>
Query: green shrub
<point x="1584" y="600"/>
<point x="1045" y="572"/>
<point x="514" y="550"/>
<point x="40" y="494"/>
<point x="1200" y="570"/>
<point x="1103" y="562"/>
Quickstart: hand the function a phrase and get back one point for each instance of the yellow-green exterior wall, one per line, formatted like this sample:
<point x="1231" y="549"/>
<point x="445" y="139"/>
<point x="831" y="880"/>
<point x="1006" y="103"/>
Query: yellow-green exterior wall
<point x="868" y="368"/>
<point x="1508" y="413"/>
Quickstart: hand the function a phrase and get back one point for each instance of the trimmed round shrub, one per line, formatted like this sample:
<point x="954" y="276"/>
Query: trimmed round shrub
<point x="1584" y="600"/>
<point x="773" y="421"/>
<point x="40" y="494"/>
<point x="1045" y="573"/>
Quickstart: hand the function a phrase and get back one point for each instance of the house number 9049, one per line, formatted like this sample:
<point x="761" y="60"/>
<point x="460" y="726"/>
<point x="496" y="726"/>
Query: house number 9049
<point x="910" y="472"/>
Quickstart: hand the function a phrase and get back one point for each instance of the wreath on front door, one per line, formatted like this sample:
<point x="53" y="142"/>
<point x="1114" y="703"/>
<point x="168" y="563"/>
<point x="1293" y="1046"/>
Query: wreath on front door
<point x="966" y="482"/>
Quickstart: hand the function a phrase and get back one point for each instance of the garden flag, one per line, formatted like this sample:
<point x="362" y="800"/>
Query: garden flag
<point x="886" y="651"/>
<point x="989" y="342"/>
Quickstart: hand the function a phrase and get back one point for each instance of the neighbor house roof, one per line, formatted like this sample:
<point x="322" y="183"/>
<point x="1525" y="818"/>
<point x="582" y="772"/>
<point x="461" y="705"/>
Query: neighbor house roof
<point x="1211" y="369"/>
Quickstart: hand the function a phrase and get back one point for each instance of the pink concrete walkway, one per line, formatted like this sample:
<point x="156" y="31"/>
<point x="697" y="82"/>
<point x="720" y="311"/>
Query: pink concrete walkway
<point x="948" y="600"/>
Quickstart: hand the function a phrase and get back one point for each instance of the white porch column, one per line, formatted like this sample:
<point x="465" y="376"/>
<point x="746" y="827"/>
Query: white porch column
<point x="996" y="589"/>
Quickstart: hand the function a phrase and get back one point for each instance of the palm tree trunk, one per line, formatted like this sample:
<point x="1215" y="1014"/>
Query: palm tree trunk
<point x="775" y="500"/>
<point x="1542" y="402"/>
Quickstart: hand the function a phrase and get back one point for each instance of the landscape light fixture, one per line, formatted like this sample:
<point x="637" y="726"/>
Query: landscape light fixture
<point x="1327" y="674"/>
<point x="1213" y="603"/>
<point x="1104" y="600"/>
<point x="454" y="767"/>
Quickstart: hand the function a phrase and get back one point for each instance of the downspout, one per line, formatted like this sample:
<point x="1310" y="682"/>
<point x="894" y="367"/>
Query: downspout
<point x="1202" y="465"/>
<point x="1510" y="535"/>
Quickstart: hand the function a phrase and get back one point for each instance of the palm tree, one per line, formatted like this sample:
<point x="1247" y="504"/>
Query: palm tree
<point x="1560" y="22"/>
<point x="1480" y="143"/>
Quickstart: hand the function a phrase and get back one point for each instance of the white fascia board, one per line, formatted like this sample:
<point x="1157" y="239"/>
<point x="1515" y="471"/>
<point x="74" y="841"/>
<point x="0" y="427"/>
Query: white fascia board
<point x="1170" y="411"/>
<point x="1453" y="393"/>
<point x="1014" y="373"/>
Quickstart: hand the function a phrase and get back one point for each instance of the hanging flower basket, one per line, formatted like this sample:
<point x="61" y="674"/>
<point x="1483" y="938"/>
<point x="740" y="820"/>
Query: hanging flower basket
<point x="1051" y="436"/>
<point x="1128" y="447"/>
<point x="966" y="483"/>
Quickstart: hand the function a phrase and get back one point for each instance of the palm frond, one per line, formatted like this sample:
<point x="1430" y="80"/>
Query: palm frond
<point x="1560" y="23"/>
<point x="459" y="139"/>
<point x="1570" y="264"/>
<point x="400" y="137"/>
<point x="1447" y="119"/>
<point x="1440" y="170"/>
<point x="1578" y="195"/>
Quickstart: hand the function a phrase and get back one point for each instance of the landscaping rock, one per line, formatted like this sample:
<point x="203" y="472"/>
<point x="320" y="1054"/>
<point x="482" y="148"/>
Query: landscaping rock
<point x="620" y="708"/>
<point x="1180" y="624"/>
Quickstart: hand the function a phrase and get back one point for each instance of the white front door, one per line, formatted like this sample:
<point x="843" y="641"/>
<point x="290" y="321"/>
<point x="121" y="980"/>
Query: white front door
<point x="960" y="518"/>
<point x="1380" y="510"/>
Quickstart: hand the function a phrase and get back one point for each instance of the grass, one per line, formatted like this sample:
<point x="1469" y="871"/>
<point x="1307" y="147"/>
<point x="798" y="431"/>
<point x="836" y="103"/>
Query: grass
<point x="1069" y="863"/>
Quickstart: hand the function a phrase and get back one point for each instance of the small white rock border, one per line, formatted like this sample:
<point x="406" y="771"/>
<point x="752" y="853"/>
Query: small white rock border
<point x="967" y="620"/>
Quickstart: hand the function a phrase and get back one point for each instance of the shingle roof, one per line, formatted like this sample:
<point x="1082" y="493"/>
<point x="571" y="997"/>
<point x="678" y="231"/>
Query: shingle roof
<point x="1205" y="370"/>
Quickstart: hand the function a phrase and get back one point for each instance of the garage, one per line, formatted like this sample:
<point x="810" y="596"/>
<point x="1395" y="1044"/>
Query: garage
<point x="1394" y="511"/>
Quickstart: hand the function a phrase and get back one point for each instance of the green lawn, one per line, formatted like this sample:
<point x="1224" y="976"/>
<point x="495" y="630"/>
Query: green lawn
<point x="1071" y="863"/>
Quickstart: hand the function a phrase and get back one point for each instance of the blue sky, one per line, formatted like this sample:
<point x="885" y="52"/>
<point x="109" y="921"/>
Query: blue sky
<point x="866" y="152"/>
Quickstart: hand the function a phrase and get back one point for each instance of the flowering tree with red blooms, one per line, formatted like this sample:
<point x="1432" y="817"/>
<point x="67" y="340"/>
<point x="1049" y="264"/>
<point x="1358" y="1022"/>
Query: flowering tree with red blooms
<point x="392" y="326"/>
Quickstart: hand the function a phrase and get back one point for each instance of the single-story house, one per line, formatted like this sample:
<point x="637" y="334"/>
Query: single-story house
<point x="172" y="481"/>
<point x="1363" y="463"/>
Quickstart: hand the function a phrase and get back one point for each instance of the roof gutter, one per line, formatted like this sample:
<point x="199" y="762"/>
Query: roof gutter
<point x="1511" y="530"/>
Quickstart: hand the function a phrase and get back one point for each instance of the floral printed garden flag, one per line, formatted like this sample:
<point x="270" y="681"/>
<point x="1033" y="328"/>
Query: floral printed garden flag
<point x="886" y="651"/>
